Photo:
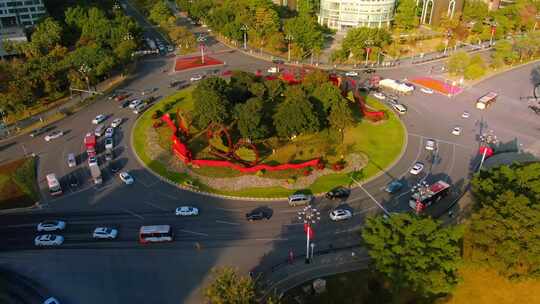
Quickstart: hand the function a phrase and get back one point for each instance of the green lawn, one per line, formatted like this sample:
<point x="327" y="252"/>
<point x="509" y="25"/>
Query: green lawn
<point x="18" y="184"/>
<point x="380" y="142"/>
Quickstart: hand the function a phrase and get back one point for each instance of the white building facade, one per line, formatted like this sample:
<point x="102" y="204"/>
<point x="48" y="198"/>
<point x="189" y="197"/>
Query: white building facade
<point x="342" y="15"/>
<point x="20" y="12"/>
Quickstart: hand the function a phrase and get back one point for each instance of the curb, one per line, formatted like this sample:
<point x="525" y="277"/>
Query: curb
<point x="244" y="198"/>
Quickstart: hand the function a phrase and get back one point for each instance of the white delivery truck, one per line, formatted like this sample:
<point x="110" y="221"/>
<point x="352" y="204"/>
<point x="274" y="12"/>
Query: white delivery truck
<point x="96" y="174"/>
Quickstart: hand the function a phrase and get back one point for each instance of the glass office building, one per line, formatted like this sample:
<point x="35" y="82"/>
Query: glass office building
<point x="342" y="15"/>
<point x="20" y="13"/>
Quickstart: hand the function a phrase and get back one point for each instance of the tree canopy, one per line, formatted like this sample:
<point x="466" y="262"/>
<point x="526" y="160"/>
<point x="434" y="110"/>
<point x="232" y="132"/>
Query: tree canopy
<point x="414" y="252"/>
<point x="230" y="288"/>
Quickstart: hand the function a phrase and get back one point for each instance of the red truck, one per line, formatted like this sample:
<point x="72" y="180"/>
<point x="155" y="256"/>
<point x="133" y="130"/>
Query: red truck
<point x="90" y="144"/>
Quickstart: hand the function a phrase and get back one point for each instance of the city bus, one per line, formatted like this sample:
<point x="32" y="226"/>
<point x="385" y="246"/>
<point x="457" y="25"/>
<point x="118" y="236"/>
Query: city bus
<point x="54" y="185"/>
<point x="155" y="234"/>
<point x="485" y="101"/>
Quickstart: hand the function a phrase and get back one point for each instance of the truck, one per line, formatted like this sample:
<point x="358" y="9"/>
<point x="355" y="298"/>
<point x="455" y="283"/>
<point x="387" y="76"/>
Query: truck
<point x="426" y="196"/>
<point x="396" y="86"/>
<point x="90" y="144"/>
<point x="96" y="174"/>
<point x="54" y="184"/>
<point x="485" y="101"/>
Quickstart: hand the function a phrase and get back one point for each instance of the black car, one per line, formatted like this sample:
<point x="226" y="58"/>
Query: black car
<point x="369" y="71"/>
<point x="109" y="155"/>
<point x="278" y="61"/>
<point x="39" y="131"/>
<point x="125" y="104"/>
<point x="73" y="181"/>
<point x="114" y="167"/>
<point x="338" y="192"/>
<point x="256" y="215"/>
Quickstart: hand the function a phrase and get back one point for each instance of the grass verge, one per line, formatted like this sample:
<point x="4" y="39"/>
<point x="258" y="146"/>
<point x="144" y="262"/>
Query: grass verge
<point x="380" y="142"/>
<point x="18" y="184"/>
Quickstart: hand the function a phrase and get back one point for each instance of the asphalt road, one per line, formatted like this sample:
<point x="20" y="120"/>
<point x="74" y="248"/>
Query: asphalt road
<point x="124" y="271"/>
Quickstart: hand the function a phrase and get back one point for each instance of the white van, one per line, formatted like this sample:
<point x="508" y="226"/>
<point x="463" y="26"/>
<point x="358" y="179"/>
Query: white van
<point x="71" y="160"/>
<point x="400" y="108"/>
<point x="300" y="199"/>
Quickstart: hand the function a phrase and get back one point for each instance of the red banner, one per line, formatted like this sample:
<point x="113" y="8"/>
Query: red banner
<point x="493" y="29"/>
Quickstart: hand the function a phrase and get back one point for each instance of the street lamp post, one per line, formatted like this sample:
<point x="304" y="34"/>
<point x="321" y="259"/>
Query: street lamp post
<point x="289" y="39"/>
<point x="201" y="39"/>
<point x="493" y="29"/>
<point x="418" y="191"/>
<point x="368" y="44"/>
<point x="310" y="216"/>
<point x="244" y="29"/>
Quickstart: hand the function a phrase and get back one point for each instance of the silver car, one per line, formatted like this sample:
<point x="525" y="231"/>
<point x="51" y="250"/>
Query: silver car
<point x="51" y="226"/>
<point x="49" y="240"/>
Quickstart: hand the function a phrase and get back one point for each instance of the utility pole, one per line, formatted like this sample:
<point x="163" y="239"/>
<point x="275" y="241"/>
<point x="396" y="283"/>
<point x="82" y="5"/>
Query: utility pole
<point x="289" y="39"/>
<point x="368" y="44"/>
<point x="201" y="39"/>
<point x="244" y="29"/>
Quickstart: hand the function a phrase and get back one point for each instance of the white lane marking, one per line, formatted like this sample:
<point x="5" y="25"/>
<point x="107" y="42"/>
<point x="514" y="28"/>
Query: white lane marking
<point x="372" y="198"/>
<point x="272" y="239"/>
<point x="193" y="232"/>
<point x="440" y="140"/>
<point x="228" y="223"/>
<point x="133" y="213"/>
<point x="156" y="206"/>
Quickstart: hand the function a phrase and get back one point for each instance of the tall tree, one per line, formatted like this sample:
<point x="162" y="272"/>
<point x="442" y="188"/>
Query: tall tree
<point x="249" y="117"/>
<point x="458" y="62"/>
<point x="183" y="38"/>
<point x="230" y="288"/>
<point x="413" y="252"/>
<point x="406" y="17"/>
<point x="340" y="117"/>
<point x="211" y="103"/>
<point x="475" y="10"/>
<point x="295" y="115"/>
<point x="160" y="13"/>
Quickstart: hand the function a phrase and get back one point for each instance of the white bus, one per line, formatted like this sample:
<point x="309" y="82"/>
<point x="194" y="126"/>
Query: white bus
<point x="54" y="185"/>
<point x="155" y="234"/>
<point x="485" y="101"/>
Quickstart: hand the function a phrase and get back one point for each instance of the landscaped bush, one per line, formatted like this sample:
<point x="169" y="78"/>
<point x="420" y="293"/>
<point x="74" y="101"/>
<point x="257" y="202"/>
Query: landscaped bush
<point x="157" y="124"/>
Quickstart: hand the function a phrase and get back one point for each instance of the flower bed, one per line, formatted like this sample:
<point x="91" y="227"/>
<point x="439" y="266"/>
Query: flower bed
<point x="194" y="62"/>
<point x="437" y="85"/>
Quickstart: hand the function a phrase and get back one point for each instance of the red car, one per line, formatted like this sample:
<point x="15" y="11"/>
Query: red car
<point x="121" y="97"/>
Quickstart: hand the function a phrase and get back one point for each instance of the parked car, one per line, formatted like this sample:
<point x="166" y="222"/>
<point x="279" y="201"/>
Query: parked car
<point x="456" y="131"/>
<point x="99" y="119"/>
<point x="186" y="211"/>
<point x="338" y="192"/>
<point x="99" y="130"/>
<point x="116" y="122"/>
<point x="351" y="74"/>
<point x="379" y="95"/>
<point x="92" y="161"/>
<point x="465" y="114"/>
<point x="121" y="97"/>
<point x="126" y="178"/>
<point x="109" y="155"/>
<point x="278" y="61"/>
<point x="49" y="240"/>
<point x="196" y="77"/>
<point x="391" y="101"/>
<point x="134" y="103"/>
<point x="109" y="132"/>
<point x="51" y="226"/>
<point x="125" y="104"/>
<point x="417" y="168"/>
<point x="430" y="144"/>
<point x="369" y="71"/>
<point x="257" y="215"/>
<point x="114" y="167"/>
<point x="71" y="160"/>
<point x="300" y="199"/>
<point x="340" y="215"/>
<point x="105" y="233"/>
<point x="140" y="108"/>
<point x="109" y="143"/>
<point x="401" y="109"/>
<point x="426" y="90"/>
<point x="53" y="135"/>
<point x="39" y="131"/>
<point x="73" y="181"/>
<point x="393" y="187"/>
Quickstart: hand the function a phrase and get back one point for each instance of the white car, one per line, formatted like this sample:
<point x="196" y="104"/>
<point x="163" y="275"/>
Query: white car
<point x="51" y="300"/>
<point x="51" y="226"/>
<point x="186" y="211"/>
<point x="401" y="109"/>
<point x="126" y="178"/>
<point x="430" y="144"/>
<point x="456" y="131"/>
<point x="351" y="74"/>
<point x="48" y="240"/>
<point x="140" y="108"/>
<point x="99" y="119"/>
<point x="92" y="161"/>
<point x="426" y="90"/>
<point x="116" y="122"/>
<point x="417" y="168"/>
<point x="105" y="233"/>
<point x="340" y="215"/>
<point x="465" y="115"/>
<point x="134" y="103"/>
<point x="53" y="135"/>
<point x="379" y="95"/>
<point x="109" y="132"/>
<point x="109" y="143"/>
<point x="196" y="77"/>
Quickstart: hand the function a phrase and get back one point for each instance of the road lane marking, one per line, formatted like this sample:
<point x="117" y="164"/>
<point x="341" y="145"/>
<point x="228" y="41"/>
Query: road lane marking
<point x="193" y="232"/>
<point x="272" y="239"/>
<point x="133" y="213"/>
<point x="228" y="223"/>
<point x="364" y="210"/>
<point x="440" y="140"/>
<point x="156" y="206"/>
<point x="372" y="198"/>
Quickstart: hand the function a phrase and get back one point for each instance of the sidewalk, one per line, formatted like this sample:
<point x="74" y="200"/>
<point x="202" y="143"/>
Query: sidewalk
<point x="285" y="276"/>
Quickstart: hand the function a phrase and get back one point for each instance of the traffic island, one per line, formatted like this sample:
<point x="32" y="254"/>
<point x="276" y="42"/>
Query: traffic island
<point x="18" y="184"/>
<point x="188" y="63"/>
<point x="215" y="159"/>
